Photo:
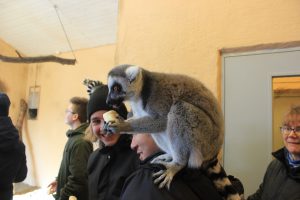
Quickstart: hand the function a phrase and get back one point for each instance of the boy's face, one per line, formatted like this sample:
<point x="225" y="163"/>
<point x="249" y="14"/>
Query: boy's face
<point x="97" y="123"/>
<point x="70" y="115"/>
<point x="144" y="145"/>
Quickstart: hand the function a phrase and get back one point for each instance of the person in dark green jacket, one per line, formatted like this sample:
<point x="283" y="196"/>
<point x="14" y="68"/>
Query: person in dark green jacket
<point x="72" y="179"/>
<point x="282" y="178"/>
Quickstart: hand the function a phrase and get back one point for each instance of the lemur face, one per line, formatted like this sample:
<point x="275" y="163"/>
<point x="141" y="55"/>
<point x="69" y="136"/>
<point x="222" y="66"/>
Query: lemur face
<point x="117" y="90"/>
<point x="123" y="83"/>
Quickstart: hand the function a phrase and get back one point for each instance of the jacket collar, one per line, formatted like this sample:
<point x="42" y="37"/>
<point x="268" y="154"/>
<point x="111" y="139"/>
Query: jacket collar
<point x="281" y="155"/>
<point x="77" y="131"/>
<point x="122" y="143"/>
<point x="146" y="164"/>
<point x="149" y="158"/>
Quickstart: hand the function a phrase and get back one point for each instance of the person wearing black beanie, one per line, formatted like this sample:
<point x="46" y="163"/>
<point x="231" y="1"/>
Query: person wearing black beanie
<point x="114" y="161"/>
<point x="98" y="102"/>
<point x="13" y="166"/>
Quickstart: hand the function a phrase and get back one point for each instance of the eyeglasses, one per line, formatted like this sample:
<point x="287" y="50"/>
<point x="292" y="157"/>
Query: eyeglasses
<point x="288" y="129"/>
<point x="69" y="111"/>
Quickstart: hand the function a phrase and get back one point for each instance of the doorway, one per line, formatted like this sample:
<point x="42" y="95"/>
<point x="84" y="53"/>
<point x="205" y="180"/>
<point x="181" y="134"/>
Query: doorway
<point x="247" y="100"/>
<point x="286" y="92"/>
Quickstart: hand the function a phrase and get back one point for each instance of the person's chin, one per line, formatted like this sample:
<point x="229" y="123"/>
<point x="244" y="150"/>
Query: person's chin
<point x="141" y="156"/>
<point x="108" y="141"/>
<point x="293" y="147"/>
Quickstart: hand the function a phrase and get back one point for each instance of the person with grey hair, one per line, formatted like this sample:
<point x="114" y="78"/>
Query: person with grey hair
<point x="72" y="179"/>
<point x="282" y="178"/>
<point x="13" y="166"/>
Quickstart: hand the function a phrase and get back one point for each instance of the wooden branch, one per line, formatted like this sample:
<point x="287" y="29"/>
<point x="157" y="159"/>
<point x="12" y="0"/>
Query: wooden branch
<point x="21" y="117"/>
<point x="38" y="59"/>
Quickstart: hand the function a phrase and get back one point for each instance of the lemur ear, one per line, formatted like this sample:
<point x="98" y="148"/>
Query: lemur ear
<point x="132" y="73"/>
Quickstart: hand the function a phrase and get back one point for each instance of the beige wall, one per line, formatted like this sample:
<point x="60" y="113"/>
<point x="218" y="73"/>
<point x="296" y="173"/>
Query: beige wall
<point x="185" y="36"/>
<point x="46" y="135"/>
<point x="13" y="79"/>
<point x="169" y="36"/>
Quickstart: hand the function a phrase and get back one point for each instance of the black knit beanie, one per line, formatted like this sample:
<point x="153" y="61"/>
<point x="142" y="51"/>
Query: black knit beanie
<point x="4" y="104"/>
<point x="98" y="102"/>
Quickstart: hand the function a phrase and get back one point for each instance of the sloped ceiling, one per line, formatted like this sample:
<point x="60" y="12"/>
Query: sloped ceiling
<point x="34" y="27"/>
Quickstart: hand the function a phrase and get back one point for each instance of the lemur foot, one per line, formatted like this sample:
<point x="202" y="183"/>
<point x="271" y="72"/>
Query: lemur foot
<point x="164" y="157"/>
<point x="165" y="177"/>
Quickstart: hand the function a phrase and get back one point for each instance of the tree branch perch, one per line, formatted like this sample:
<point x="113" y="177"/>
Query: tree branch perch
<point x="38" y="59"/>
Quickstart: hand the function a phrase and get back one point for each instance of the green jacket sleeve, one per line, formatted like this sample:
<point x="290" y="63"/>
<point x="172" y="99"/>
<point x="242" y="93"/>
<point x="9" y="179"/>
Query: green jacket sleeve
<point x="78" y="178"/>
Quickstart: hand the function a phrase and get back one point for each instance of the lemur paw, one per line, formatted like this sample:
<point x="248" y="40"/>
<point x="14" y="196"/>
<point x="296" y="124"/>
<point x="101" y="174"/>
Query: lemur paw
<point x="163" y="158"/>
<point x="116" y="127"/>
<point x="108" y="130"/>
<point x="165" y="177"/>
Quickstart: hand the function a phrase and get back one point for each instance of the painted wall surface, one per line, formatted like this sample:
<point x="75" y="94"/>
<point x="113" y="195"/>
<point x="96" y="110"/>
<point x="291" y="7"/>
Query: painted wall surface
<point x="185" y="36"/>
<point x="13" y="79"/>
<point x="46" y="135"/>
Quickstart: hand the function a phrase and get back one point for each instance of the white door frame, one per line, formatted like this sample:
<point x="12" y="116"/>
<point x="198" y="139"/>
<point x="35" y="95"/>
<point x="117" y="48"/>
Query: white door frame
<point x="269" y="94"/>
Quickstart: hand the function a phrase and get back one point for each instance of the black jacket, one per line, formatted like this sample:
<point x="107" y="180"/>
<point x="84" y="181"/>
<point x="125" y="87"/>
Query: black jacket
<point x="109" y="167"/>
<point x="72" y="178"/>
<point x="12" y="158"/>
<point x="281" y="182"/>
<point x="188" y="184"/>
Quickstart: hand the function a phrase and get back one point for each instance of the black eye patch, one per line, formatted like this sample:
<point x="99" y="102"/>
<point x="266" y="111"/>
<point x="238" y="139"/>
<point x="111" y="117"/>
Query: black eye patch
<point x="116" y="88"/>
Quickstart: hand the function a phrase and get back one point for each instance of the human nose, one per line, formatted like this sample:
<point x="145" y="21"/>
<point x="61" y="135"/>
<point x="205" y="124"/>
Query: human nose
<point x="97" y="128"/>
<point x="133" y="144"/>
<point x="292" y="132"/>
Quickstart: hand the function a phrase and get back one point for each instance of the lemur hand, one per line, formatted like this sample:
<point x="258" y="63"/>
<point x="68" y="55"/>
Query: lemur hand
<point x="116" y="127"/>
<point x="114" y="123"/>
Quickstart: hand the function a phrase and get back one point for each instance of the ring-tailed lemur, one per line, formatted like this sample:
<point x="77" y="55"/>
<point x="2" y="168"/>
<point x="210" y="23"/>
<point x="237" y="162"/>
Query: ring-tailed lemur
<point x="181" y="114"/>
<point x="91" y="85"/>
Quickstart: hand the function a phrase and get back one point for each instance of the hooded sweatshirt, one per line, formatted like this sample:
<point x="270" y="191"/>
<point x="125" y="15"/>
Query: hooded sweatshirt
<point x="12" y="158"/>
<point x="72" y="177"/>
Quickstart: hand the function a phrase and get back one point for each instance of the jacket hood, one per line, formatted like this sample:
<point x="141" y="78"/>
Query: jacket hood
<point x="281" y="155"/>
<point x="79" y="130"/>
<point x="9" y="136"/>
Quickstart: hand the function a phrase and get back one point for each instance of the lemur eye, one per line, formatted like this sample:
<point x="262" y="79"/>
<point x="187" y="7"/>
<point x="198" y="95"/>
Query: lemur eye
<point x="116" y="88"/>
<point x="131" y="80"/>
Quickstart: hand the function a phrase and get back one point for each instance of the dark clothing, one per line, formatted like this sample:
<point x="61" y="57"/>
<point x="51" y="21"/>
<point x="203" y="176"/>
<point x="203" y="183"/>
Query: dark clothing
<point x="72" y="177"/>
<point x="281" y="182"/>
<point x="188" y="184"/>
<point x="109" y="167"/>
<point x="12" y="158"/>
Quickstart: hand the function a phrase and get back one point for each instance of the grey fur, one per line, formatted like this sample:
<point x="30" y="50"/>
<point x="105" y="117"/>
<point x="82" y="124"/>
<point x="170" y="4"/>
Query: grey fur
<point x="182" y="115"/>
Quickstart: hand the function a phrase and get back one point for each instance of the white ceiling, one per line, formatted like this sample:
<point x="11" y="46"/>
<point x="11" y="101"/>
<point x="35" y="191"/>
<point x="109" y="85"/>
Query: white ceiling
<point x="33" y="28"/>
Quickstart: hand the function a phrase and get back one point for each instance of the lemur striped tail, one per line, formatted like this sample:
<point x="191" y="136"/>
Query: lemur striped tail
<point x="217" y="174"/>
<point x="91" y="85"/>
